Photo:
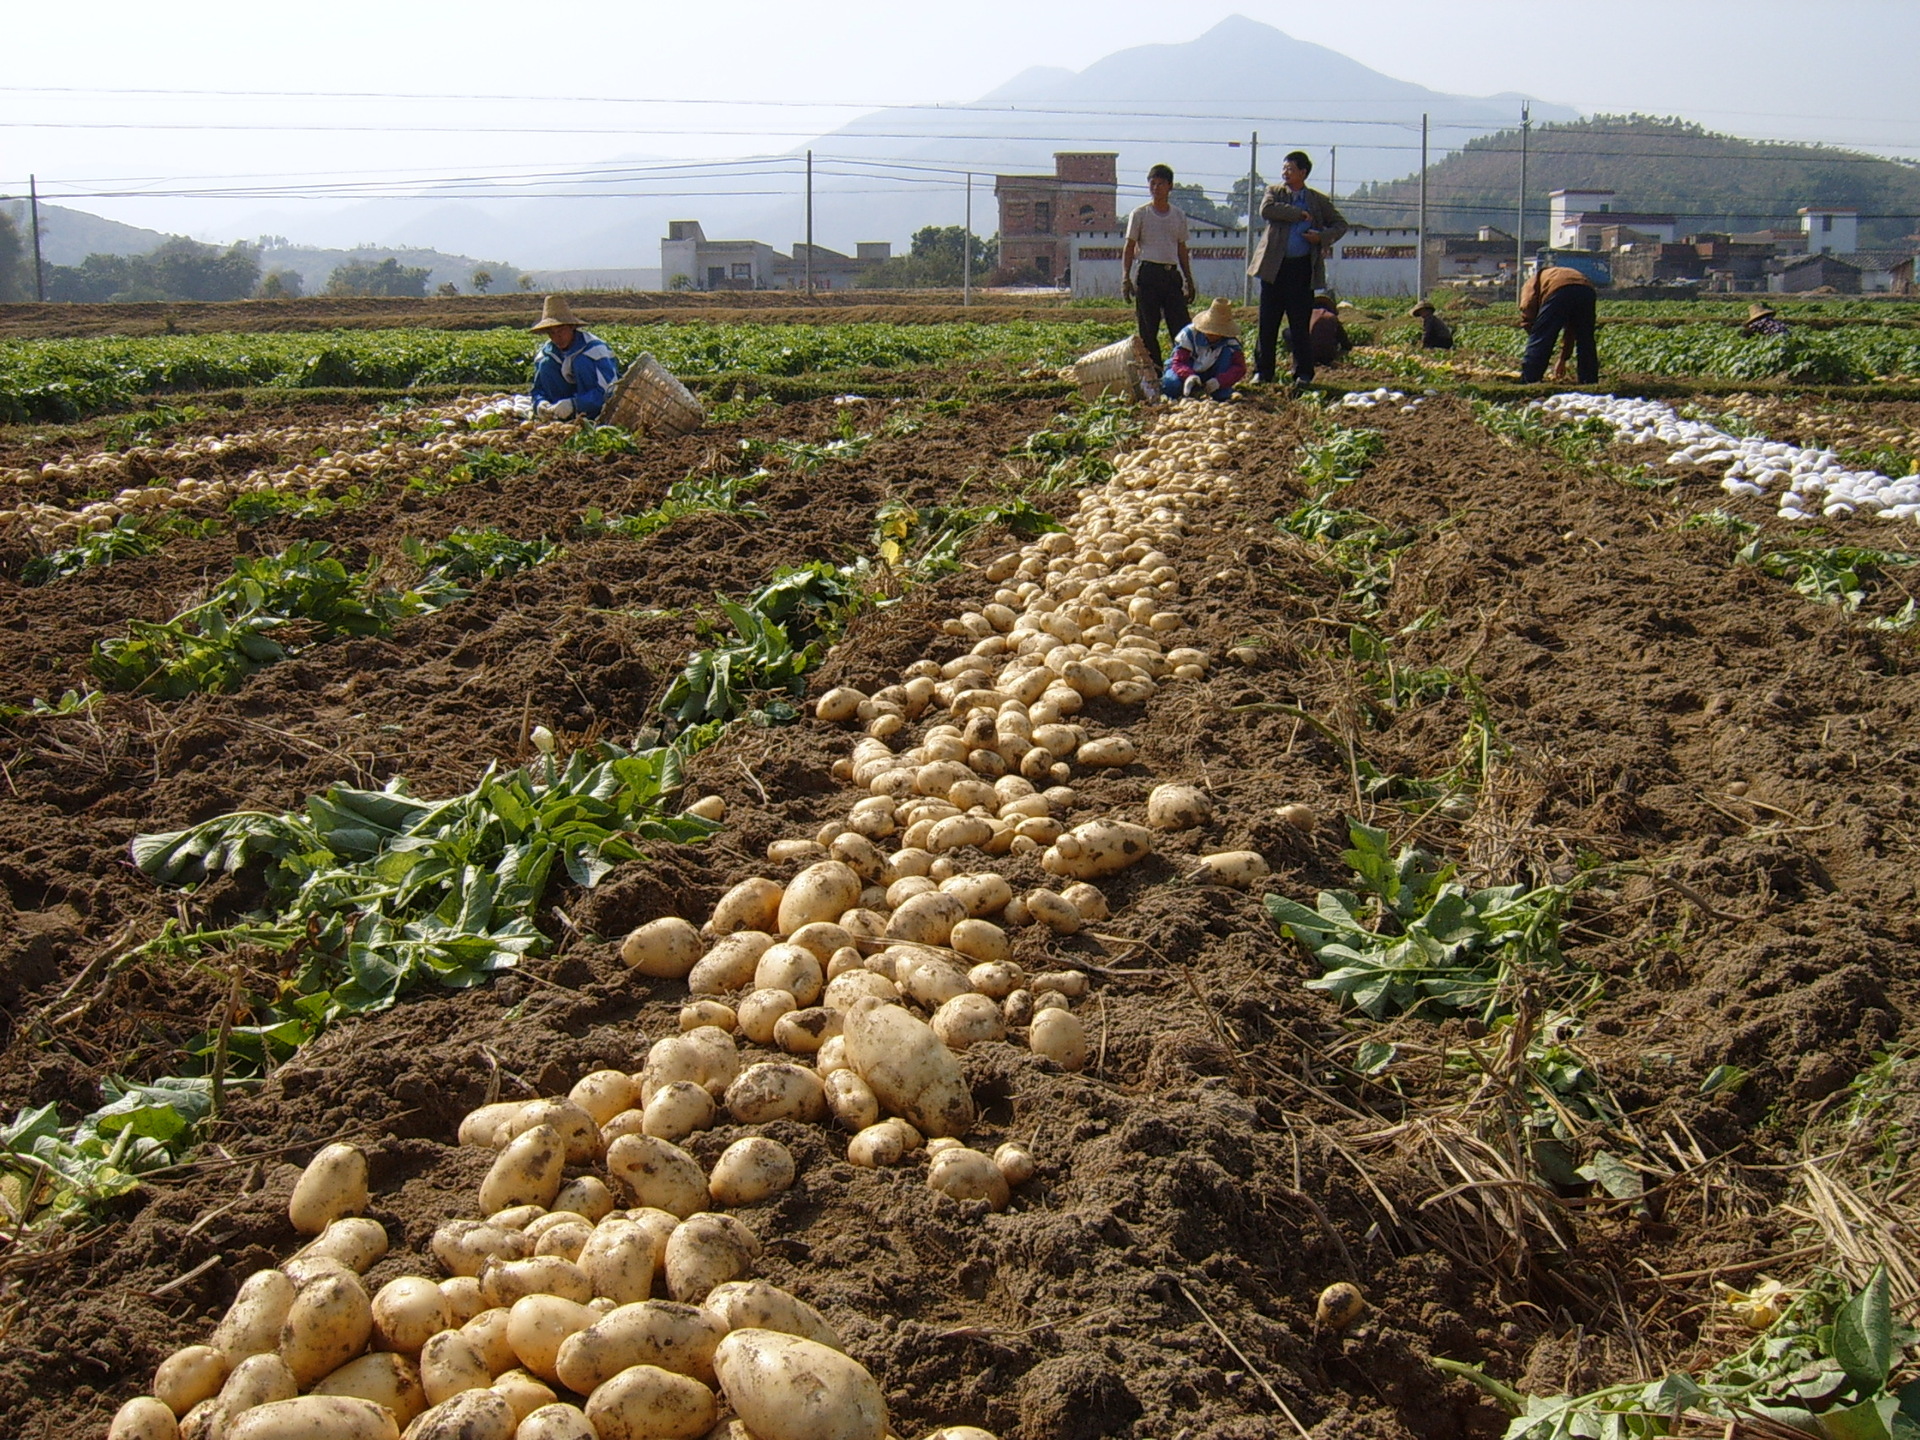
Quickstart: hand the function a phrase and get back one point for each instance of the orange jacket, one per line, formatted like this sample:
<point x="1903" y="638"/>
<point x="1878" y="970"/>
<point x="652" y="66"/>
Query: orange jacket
<point x="1544" y="283"/>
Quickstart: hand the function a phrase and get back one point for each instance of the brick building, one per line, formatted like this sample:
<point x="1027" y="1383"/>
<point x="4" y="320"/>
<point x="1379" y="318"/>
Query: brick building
<point x="1040" y="213"/>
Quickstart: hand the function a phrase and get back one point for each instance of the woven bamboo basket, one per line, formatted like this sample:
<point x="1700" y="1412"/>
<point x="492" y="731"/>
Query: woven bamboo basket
<point x="648" y="398"/>
<point x="1122" y="368"/>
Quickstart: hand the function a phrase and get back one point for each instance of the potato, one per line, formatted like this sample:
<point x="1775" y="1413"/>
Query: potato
<point x="1178" y="807"/>
<point x="143" y="1418"/>
<point x="677" y="1110"/>
<point x="658" y="1174"/>
<point x="757" y="1305"/>
<point x="905" y="888"/>
<point x="981" y="940"/>
<point x="505" y="1281"/>
<point x="666" y="949"/>
<point x="619" y="1262"/>
<point x="252" y="1323"/>
<point x="523" y="1392"/>
<point x="328" y="1324"/>
<point x="357" y="1242"/>
<point x="1015" y="1162"/>
<point x="1084" y="898"/>
<point x="333" y="1185"/>
<point x="485" y="1125"/>
<point x="785" y="1387"/>
<point x="982" y="894"/>
<point x="188" y="1376"/>
<point x="851" y="1100"/>
<point x="603" y="1094"/>
<point x="751" y="905"/>
<point x="791" y="968"/>
<point x="586" y="1196"/>
<point x="451" y="1363"/>
<point x="528" y="1171"/>
<point x="1238" y="868"/>
<point x="706" y="1250"/>
<point x="775" y="1091"/>
<point x="1053" y="911"/>
<point x="803" y="1032"/>
<point x="819" y="893"/>
<point x="407" y="1312"/>
<point x="903" y="863"/>
<point x="384" y="1378"/>
<point x="517" y="1217"/>
<point x="1060" y="1037"/>
<point x="556" y="1422"/>
<point x="1071" y="983"/>
<point x="968" y="1019"/>
<point x="750" y="1170"/>
<point x="465" y="1246"/>
<point x="257" y="1380"/>
<point x="781" y="852"/>
<point x="1300" y="817"/>
<point x="762" y="1011"/>
<point x="566" y="1237"/>
<point x="538" y="1325"/>
<point x="462" y="1294"/>
<point x="1099" y="847"/>
<point x="831" y="1056"/>
<point x="674" y="1337"/>
<point x="469" y="1415"/>
<point x="968" y="1175"/>
<point x="927" y="919"/>
<point x="839" y="704"/>
<point x="877" y="1147"/>
<point x="487" y="1332"/>
<point x="677" y="1058"/>
<point x="645" y="1402"/>
<point x="708" y="807"/>
<point x="959" y="1432"/>
<point x="317" y="1417"/>
<point x="957" y="832"/>
<point x="864" y="924"/>
<point x="728" y="966"/>
<point x="843" y="990"/>
<point x="909" y="1070"/>
<point x="928" y="978"/>
<point x="996" y="979"/>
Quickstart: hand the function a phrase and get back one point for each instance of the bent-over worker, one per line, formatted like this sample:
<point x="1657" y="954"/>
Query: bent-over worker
<point x="1435" y="333"/>
<point x="1208" y="358"/>
<point x="1559" y="298"/>
<point x="575" y="368"/>
<point x="1761" y="320"/>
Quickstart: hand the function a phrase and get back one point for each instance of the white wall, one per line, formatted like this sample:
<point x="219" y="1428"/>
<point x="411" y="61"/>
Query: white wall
<point x="1220" y="264"/>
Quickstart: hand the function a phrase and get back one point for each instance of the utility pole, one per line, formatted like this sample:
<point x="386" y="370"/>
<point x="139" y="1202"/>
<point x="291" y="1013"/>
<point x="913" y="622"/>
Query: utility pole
<point x="1333" y="172"/>
<point x="33" y="207"/>
<point x="966" y="249"/>
<point x="1253" y="213"/>
<point x="1520" y="228"/>
<point x="1420" y="246"/>
<point x="809" y="224"/>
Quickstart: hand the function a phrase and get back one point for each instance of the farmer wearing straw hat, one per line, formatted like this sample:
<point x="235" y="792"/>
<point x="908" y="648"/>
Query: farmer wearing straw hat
<point x="1761" y="320"/>
<point x="1435" y="333"/>
<point x="574" y="370"/>
<point x="1208" y="358"/>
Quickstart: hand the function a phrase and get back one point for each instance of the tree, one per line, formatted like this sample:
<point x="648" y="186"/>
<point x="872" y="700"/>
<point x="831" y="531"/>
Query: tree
<point x="482" y="281"/>
<point x="389" y="277"/>
<point x="934" y="262"/>
<point x="282" y="284"/>
<point x="16" y="265"/>
<point x="1192" y="200"/>
<point x="526" y="282"/>
<point x="1237" y="196"/>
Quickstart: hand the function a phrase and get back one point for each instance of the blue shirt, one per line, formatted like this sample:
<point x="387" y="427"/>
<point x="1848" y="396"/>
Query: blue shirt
<point x="1297" y="242"/>
<point x="582" y="373"/>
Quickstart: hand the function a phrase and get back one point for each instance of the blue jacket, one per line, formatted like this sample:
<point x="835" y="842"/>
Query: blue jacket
<point x="582" y="373"/>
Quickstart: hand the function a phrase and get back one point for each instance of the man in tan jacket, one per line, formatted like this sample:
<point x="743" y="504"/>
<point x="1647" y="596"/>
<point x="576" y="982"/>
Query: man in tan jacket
<point x="1559" y="298"/>
<point x="1302" y="226"/>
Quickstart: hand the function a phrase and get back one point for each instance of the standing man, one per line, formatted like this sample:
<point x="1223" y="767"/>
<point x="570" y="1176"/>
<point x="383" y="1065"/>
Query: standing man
<point x="1302" y="226"/>
<point x="1163" y="288"/>
<point x="1558" y="298"/>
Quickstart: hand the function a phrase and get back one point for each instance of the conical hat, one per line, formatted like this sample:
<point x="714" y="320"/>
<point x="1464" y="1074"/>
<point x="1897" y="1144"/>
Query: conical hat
<point x="1217" y="320"/>
<point x="555" y="313"/>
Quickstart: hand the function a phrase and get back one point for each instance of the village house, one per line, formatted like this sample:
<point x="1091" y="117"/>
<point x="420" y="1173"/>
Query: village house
<point x="690" y="261"/>
<point x="1580" y="220"/>
<point x="1041" y="214"/>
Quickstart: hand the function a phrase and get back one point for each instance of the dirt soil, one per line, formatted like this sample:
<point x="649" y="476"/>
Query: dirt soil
<point x="1753" y="756"/>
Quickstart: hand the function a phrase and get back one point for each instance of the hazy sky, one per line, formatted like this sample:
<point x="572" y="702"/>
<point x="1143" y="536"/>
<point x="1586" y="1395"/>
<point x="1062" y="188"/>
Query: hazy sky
<point x="1841" y="71"/>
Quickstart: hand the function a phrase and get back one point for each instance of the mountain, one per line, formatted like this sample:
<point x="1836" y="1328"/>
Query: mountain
<point x="1363" y="124"/>
<point x="68" y="236"/>
<point x="1709" y="182"/>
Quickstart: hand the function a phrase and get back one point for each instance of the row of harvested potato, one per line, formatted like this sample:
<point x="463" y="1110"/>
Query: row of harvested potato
<point x="825" y="968"/>
<point x="340" y="455"/>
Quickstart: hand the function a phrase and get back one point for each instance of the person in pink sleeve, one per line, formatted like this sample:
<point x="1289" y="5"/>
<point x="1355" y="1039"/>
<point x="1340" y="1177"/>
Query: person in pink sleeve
<point x="1208" y="358"/>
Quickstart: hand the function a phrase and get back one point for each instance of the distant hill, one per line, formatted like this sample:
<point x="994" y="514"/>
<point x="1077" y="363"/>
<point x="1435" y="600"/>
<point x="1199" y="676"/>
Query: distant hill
<point x="1706" y="180"/>
<point x="68" y="236"/>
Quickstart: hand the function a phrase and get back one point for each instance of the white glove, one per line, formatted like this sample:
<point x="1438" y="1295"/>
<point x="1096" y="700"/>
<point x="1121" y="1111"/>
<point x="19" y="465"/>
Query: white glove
<point x="554" y="409"/>
<point x="1193" y="389"/>
<point x="1212" y="385"/>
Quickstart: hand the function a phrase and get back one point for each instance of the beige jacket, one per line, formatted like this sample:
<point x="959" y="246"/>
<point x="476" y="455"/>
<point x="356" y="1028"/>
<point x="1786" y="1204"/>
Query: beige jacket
<point x="1279" y="211"/>
<point x="1541" y="284"/>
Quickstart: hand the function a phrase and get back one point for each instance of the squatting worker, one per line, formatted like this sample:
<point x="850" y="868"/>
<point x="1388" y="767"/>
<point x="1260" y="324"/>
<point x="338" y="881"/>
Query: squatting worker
<point x="574" y="370"/>
<point x="1761" y="320"/>
<point x="1435" y="333"/>
<point x="1302" y="226"/>
<point x="1558" y="298"/>
<point x="1156" y="270"/>
<point x="1330" y="339"/>
<point x="1208" y="358"/>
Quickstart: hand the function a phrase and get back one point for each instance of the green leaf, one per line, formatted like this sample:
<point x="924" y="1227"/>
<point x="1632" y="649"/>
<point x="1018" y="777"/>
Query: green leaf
<point x="1863" y="1333"/>
<point x="1869" y="1420"/>
<point x="1615" y="1176"/>
<point x="1514" y="1402"/>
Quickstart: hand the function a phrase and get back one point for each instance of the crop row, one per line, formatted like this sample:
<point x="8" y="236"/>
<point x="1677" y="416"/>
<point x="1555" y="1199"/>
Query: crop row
<point x="1855" y="355"/>
<point x="67" y="379"/>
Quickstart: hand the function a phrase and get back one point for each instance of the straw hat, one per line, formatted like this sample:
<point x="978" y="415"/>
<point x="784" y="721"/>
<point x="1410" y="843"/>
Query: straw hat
<point x="1217" y="320"/>
<point x="1758" y="312"/>
<point x="1423" y="308"/>
<point x="556" y="313"/>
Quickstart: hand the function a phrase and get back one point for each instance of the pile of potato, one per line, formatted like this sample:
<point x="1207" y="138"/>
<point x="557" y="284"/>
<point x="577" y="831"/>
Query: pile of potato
<point x="844" y="995"/>
<point x="342" y="454"/>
